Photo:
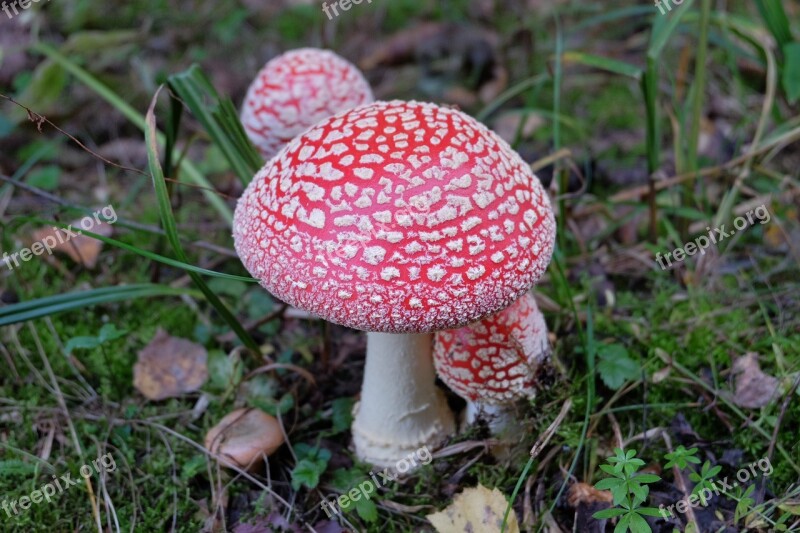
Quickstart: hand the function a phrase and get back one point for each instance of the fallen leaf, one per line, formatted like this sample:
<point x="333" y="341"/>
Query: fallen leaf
<point x="170" y="366"/>
<point x="791" y="506"/>
<point x="661" y="375"/>
<point x="584" y="493"/>
<point x="244" y="437"/>
<point x="477" y="509"/>
<point x="754" y="388"/>
<point x="81" y="249"/>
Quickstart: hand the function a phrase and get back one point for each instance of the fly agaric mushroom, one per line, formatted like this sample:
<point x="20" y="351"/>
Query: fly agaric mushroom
<point x="400" y="219"/>
<point x="494" y="361"/>
<point x="294" y="91"/>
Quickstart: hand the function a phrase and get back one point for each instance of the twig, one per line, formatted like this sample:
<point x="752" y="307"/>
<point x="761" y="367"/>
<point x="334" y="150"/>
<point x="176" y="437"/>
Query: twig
<point x="545" y="437"/>
<point x="38" y="119"/>
<point x="122" y="221"/>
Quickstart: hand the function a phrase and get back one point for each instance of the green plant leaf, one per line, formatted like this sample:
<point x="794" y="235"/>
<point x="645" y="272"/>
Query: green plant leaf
<point x="226" y="371"/>
<point x="791" y="71"/>
<point x="615" y="366"/>
<point x="681" y="457"/>
<point x="639" y="524"/>
<point x="650" y="511"/>
<point x="307" y="472"/>
<point x="45" y="177"/>
<point x="311" y="464"/>
<point x="367" y="510"/>
<point x="608" y="483"/>
<point x="107" y="333"/>
<point x="43" y="90"/>
<point x="342" y="414"/>
<point x="609" y="513"/>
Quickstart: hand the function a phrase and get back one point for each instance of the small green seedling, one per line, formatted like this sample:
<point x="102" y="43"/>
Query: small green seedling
<point x="628" y="490"/>
<point x="681" y="457"/>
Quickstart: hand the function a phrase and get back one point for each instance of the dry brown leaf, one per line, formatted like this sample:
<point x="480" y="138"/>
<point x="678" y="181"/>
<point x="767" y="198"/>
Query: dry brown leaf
<point x="584" y="493"/>
<point x="477" y="509"/>
<point x="244" y="437"/>
<point x="662" y="374"/>
<point x="81" y="249"/>
<point x="170" y="366"/>
<point x="754" y="388"/>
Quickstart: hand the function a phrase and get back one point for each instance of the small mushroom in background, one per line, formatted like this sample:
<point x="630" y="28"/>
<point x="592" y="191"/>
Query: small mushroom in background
<point x="294" y="91"/>
<point x="399" y="219"/>
<point x="494" y="362"/>
<point x="243" y="438"/>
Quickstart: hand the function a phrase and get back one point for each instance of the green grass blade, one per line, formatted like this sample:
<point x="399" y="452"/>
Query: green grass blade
<point x="191" y="172"/>
<point x="777" y="21"/>
<point x="510" y="93"/>
<point x="50" y="305"/>
<point x="219" y="118"/>
<point x="603" y="63"/>
<point x="171" y="229"/>
<point x="188" y="267"/>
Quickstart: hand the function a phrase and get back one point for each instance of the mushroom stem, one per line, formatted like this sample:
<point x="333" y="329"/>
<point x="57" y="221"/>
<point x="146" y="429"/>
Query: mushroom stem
<point x="497" y="416"/>
<point x="401" y="410"/>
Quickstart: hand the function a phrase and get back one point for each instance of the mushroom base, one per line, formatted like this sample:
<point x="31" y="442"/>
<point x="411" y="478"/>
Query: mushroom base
<point x="401" y="410"/>
<point x="497" y="416"/>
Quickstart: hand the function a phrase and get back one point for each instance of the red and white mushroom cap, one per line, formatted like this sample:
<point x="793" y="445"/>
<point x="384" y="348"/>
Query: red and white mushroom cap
<point x="396" y="217"/>
<point x="494" y="360"/>
<point x="296" y="90"/>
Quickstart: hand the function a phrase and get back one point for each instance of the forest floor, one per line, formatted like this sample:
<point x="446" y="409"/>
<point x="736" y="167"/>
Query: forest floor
<point x="704" y="353"/>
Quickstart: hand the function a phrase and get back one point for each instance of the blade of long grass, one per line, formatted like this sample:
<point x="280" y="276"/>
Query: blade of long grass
<point x="170" y="228"/>
<point x="510" y="93"/>
<point x="191" y="172"/>
<point x="777" y="21"/>
<point x="698" y="97"/>
<point x="219" y="118"/>
<point x="608" y="64"/>
<point x="50" y="305"/>
<point x="560" y="173"/>
<point x="188" y="267"/>
<point x="663" y="28"/>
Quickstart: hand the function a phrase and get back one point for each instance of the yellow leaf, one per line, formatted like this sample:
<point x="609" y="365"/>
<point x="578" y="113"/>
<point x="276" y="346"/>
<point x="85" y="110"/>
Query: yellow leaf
<point x="475" y="509"/>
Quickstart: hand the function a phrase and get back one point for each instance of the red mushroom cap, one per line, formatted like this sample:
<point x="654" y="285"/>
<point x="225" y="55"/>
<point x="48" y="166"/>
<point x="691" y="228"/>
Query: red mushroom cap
<point x="495" y="359"/>
<point x="396" y="217"/>
<point x="296" y="90"/>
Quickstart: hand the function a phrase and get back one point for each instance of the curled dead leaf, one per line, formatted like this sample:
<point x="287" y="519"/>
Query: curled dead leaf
<point x="475" y="509"/>
<point x="80" y="248"/>
<point x="585" y="493"/>
<point x="754" y="388"/>
<point x="244" y="437"/>
<point x="170" y="366"/>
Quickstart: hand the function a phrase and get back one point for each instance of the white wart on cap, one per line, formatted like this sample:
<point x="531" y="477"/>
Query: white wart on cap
<point x="294" y="91"/>
<point x="396" y="217"/>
